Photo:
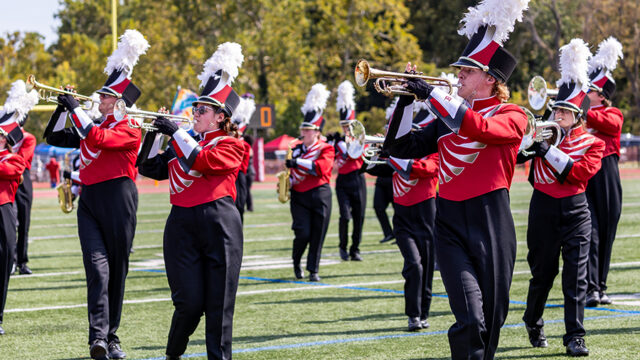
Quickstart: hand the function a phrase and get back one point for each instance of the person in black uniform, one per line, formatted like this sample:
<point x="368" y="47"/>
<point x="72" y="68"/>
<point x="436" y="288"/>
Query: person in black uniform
<point x="477" y="140"/>
<point x="241" y="117"/>
<point x="383" y="193"/>
<point x="108" y="154"/>
<point x="559" y="217"/>
<point x="251" y="172"/>
<point x="604" y="192"/>
<point x="351" y="188"/>
<point x="12" y="166"/>
<point x="310" y="191"/>
<point x="203" y="236"/>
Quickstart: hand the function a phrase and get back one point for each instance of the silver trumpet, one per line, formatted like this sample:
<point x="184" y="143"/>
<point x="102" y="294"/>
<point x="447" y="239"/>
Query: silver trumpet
<point x="538" y="93"/>
<point x="538" y="131"/>
<point x="356" y="139"/>
<point x="120" y="110"/>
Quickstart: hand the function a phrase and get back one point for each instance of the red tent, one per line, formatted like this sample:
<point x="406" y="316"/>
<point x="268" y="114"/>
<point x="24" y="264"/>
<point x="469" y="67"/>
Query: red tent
<point x="279" y="143"/>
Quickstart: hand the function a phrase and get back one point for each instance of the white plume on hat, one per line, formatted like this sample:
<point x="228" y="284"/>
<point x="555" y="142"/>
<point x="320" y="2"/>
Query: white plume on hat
<point x="345" y="99"/>
<point x="93" y="112"/>
<point x="607" y="56"/>
<point x="574" y="58"/>
<point x="19" y="100"/>
<point x="228" y="58"/>
<point x="417" y="107"/>
<point x="502" y="14"/>
<point x="391" y="108"/>
<point x="316" y="99"/>
<point x="131" y="45"/>
<point x="244" y="111"/>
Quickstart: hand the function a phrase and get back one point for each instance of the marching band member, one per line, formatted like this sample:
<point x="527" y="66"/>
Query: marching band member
<point x="310" y="191"/>
<point x="477" y="141"/>
<point x="203" y="236"/>
<point x="604" y="191"/>
<point x="559" y="217"/>
<point x="241" y="117"/>
<point x="19" y="97"/>
<point x="415" y="184"/>
<point x="383" y="193"/>
<point x="108" y="156"/>
<point x="12" y="166"/>
<point x="351" y="188"/>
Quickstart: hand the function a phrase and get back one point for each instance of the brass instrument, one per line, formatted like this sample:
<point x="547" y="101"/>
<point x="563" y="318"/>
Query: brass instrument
<point x="46" y="93"/>
<point x="65" y="197"/>
<point x="356" y="139"/>
<point x="538" y="131"/>
<point x="284" y="183"/>
<point x="390" y="83"/>
<point x="538" y="93"/>
<point x="120" y="110"/>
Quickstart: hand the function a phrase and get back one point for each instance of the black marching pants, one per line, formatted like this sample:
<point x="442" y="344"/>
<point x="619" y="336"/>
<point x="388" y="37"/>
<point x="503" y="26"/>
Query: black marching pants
<point x="476" y="249"/>
<point x="311" y="212"/>
<point x="7" y="248"/>
<point x="382" y="197"/>
<point x="250" y="175"/>
<point x="241" y="193"/>
<point x="203" y="255"/>
<point x="24" y="199"/>
<point x="106" y="227"/>
<point x="604" y="194"/>
<point x="558" y="227"/>
<point x="414" y="226"/>
<point x="351" y="191"/>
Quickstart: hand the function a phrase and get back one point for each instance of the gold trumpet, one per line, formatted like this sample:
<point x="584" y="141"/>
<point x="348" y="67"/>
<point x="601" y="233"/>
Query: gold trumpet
<point x="390" y="83"/>
<point x="120" y="110"/>
<point x="46" y="93"/>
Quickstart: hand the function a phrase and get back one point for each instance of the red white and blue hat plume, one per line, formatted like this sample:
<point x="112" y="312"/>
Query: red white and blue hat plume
<point x="314" y="106"/>
<point x="602" y="64"/>
<point x="488" y="26"/>
<point x="243" y="113"/>
<point x="120" y="67"/>
<point x="15" y="111"/>
<point x="217" y="76"/>
<point x="345" y="102"/>
<point x="574" y="77"/>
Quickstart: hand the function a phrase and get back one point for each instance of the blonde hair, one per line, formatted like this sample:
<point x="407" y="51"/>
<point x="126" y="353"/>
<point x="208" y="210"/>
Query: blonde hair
<point x="501" y="91"/>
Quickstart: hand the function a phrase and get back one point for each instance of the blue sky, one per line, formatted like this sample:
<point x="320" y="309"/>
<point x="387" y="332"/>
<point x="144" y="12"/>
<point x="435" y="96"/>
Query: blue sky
<point x="30" y="15"/>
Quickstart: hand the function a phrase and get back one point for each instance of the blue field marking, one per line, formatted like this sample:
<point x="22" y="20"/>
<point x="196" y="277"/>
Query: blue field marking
<point x="374" y="338"/>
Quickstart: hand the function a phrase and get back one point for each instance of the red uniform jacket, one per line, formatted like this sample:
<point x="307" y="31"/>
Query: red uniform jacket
<point x="415" y="180"/>
<point x="247" y="156"/>
<point x="54" y="170"/>
<point x="606" y="124"/>
<point x="344" y="162"/>
<point x="481" y="158"/>
<point x="313" y="166"/>
<point x="213" y="173"/>
<point x="109" y="151"/>
<point x="586" y="152"/>
<point x="11" y="167"/>
<point x="26" y="147"/>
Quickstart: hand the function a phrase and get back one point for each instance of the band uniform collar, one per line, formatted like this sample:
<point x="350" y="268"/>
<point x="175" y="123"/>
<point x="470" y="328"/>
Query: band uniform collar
<point x="481" y="104"/>
<point x="4" y="151"/>
<point x="210" y="135"/>
<point x="596" y="107"/>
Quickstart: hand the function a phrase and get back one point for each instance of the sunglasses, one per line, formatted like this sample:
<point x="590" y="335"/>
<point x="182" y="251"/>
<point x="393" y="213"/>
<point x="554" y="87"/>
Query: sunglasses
<point x="200" y="110"/>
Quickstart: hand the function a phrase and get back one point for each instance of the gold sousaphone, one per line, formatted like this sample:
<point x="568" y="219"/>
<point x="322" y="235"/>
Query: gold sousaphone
<point x="391" y="83"/>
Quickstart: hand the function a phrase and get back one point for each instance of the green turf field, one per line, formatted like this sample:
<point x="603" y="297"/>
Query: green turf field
<point x="359" y="316"/>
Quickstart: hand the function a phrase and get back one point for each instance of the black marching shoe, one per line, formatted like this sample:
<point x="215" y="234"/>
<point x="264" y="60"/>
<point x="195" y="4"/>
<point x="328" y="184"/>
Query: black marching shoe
<point x="1" y="330"/>
<point x="577" y="347"/>
<point x="169" y="357"/>
<point x="593" y="299"/>
<point x="344" y="255"/>
<point x="536" y="337"/>
<point x="314" y="276"/>
<point x="98" y="349"/>
<point x="297" y="270"/>
<point x="604" y="299"/>
<point x="115" y="351"/>
<point x="414" y="324"/>
<point x="387" y="238"/>
<point x="23" y="269"/>
<point x="356" y="257"/>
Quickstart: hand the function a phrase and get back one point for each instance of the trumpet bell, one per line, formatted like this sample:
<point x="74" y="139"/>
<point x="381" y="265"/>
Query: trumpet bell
<point x="361" y="73"/>
<point x="356" y="140"/>
<point x="538" y="93"/>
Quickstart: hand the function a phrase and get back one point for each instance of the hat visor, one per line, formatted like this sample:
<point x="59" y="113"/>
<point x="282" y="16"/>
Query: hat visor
<point x="208" y="101"/>
<point x="345" y="122"/>
<point x="469" y="63"/>
<point x="566" y="106"/>
<point x="108" y="91"/>
<point x="308" y="126"/>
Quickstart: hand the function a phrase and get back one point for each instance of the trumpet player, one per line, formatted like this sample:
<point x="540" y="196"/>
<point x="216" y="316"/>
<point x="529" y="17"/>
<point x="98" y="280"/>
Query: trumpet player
<point x="12" y="168"/>
<point x="203" y="236"/>
<point x="559" y="217"/>
<point x="107" y="173"/>
<point x="311" y="164"/>
<point x="351" y="188"/>
<point x="477" y="140"/>
<point x="604" y="191"/>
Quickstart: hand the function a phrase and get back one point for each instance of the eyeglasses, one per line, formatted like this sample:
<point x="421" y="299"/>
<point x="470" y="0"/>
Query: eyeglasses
<point x="200" y="110"/>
